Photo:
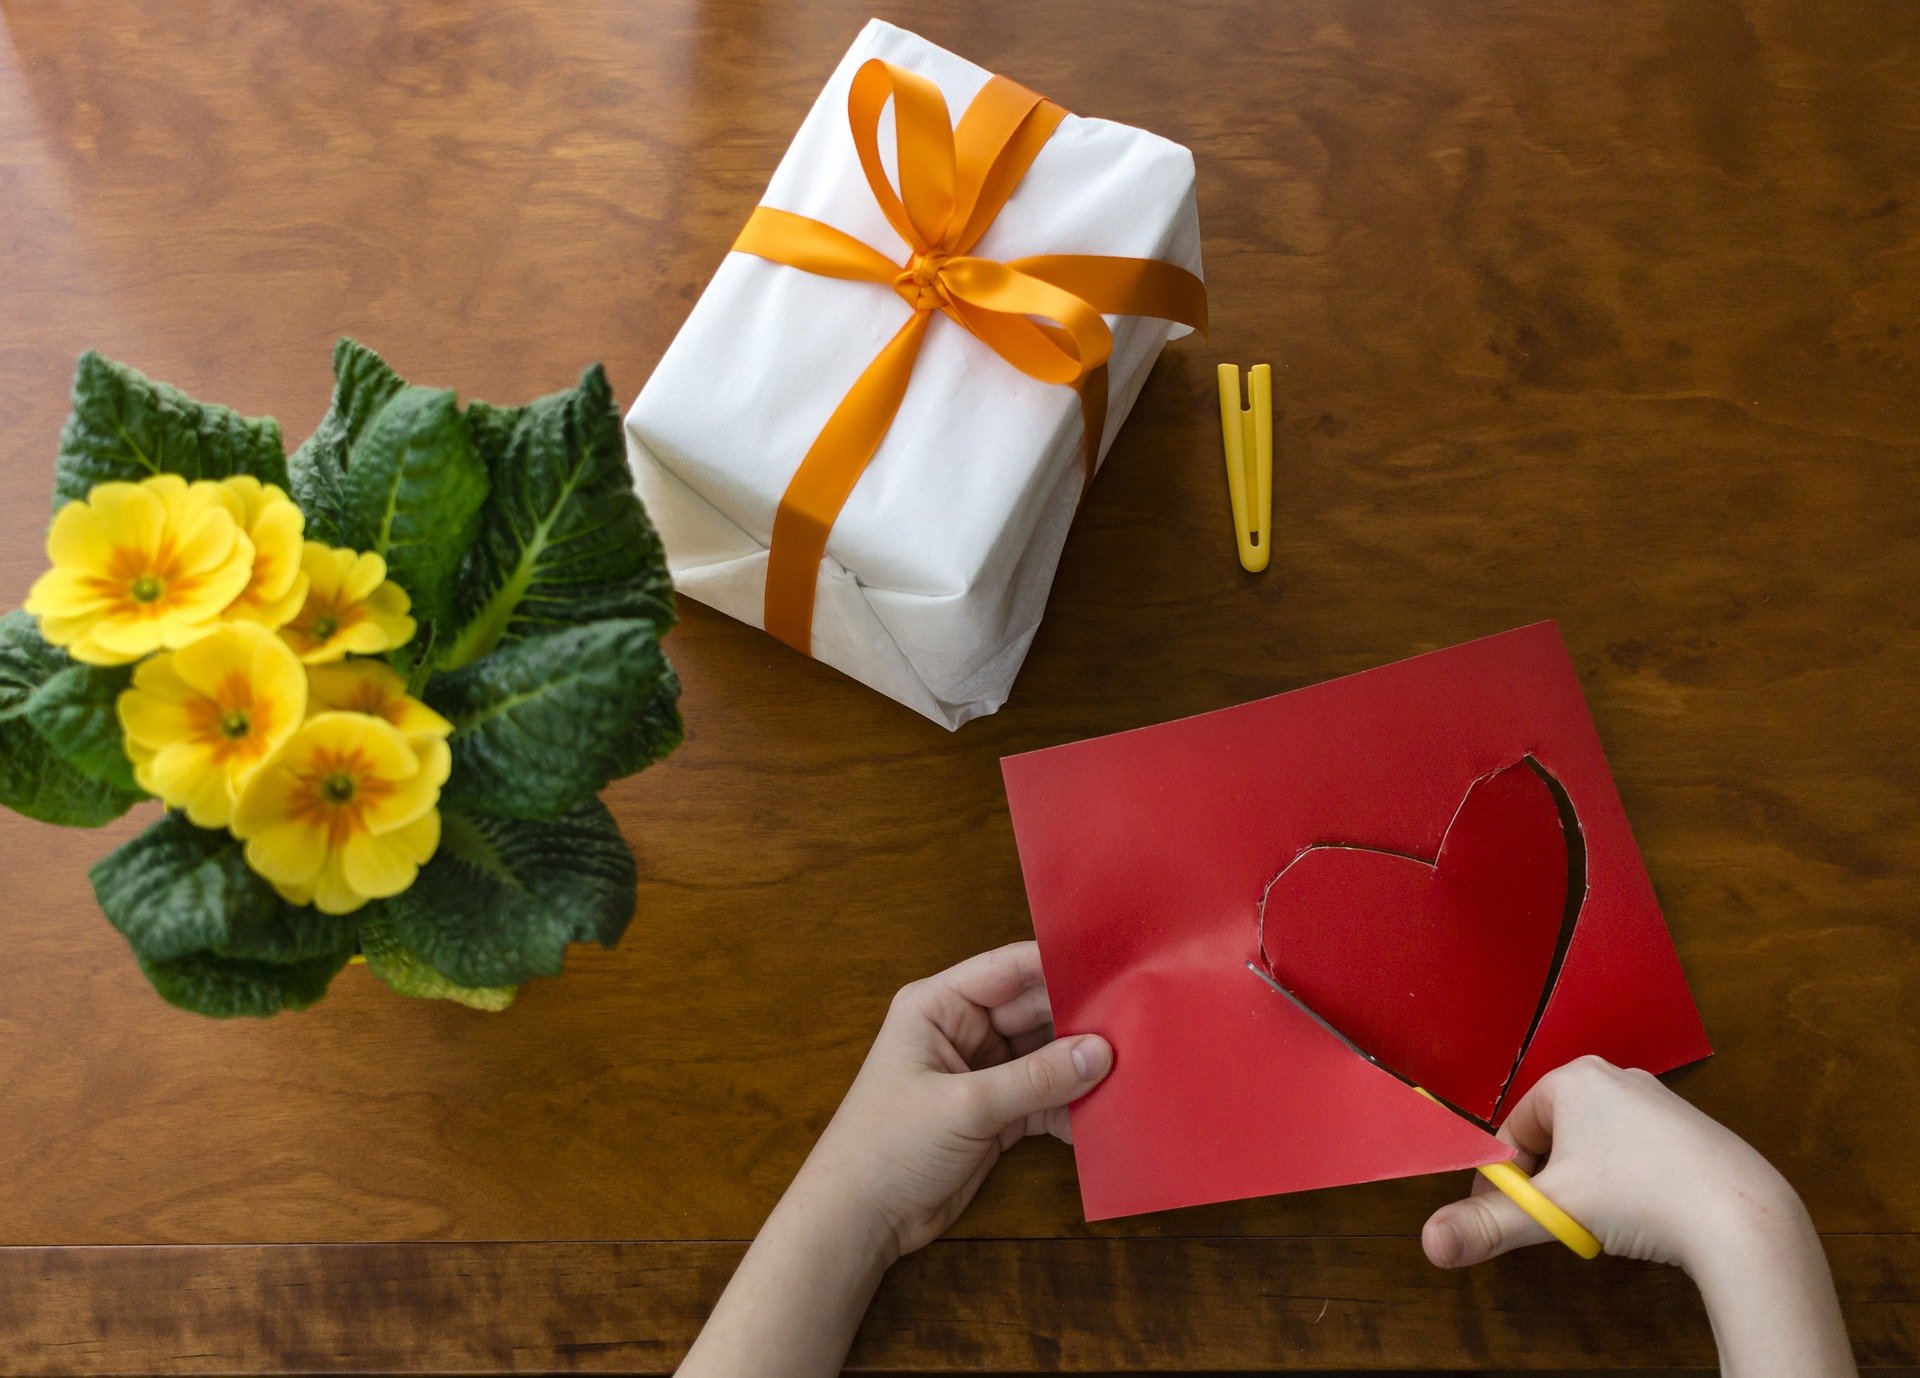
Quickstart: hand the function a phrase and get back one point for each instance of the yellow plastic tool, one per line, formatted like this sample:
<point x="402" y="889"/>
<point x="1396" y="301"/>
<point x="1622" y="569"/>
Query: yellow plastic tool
<point x="1247" y="434"/>
<point x="1511" y="1180"/>
<point x="1519" y="1189"/>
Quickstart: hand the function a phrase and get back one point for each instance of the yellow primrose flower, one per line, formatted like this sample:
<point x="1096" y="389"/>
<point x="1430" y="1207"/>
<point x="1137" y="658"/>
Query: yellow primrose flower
<point x="140" y="567"/>
<point x="344" y="812"/>
<point x="351" y="607"/>
<point x="200" y="721"/>
<point x="367" y="686"/>
<point x="278" y="585"/>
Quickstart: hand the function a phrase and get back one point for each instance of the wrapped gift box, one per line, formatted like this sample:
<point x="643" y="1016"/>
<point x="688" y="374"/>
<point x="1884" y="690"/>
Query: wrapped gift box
<point x="937" y="568"/>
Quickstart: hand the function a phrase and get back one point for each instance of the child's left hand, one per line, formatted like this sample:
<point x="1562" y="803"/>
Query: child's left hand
<point x="964" y="1066"/>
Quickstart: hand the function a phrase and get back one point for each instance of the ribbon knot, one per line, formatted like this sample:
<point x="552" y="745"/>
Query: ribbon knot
<point x="919" y="282"/>
<point x="1044" y="315"/>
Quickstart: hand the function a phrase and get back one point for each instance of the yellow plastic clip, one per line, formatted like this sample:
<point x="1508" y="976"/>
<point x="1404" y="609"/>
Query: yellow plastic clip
<point x="1248" y="436"/>
<point x="1513" y="1182"/>
<point x="1520" y="1190"/>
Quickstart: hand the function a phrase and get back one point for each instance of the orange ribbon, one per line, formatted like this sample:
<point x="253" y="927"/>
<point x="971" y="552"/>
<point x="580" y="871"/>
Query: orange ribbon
<point x="1041" y="314"/>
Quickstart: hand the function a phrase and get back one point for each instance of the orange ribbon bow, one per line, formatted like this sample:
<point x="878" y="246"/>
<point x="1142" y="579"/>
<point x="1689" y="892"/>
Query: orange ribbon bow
<point x="1041" y="314"/>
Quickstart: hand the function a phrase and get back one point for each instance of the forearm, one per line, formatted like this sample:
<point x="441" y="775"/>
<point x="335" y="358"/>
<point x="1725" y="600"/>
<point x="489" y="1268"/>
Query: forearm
<point x="797" y="1298"/>
<point x="1769" y="1294"/>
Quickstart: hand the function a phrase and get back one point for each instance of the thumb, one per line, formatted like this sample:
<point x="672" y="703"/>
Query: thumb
<point x="1483" y="1226"/>
<point x="1045" y="1079"/>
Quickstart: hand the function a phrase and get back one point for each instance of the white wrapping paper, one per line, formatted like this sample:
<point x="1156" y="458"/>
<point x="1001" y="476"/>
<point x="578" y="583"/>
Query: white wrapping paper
<point x="938" y="568"/>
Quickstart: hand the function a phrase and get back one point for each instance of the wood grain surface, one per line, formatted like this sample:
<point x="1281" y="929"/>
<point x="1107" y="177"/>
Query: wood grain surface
<point x="1606" y="313"/>
<point x="995" y="1306"/>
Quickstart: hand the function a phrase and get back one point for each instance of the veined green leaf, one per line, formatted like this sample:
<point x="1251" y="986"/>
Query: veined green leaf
<point x="229" y="987"/>
<point x="503" y="897"/>
<point x="127" y="427"/>
<point x="564" y="540"/>
<point x="34" y="778"/>
<point x="408" y="974"/>
<point x="412" y="493"/>
<point x="363" y="384"/>
<point x="176" y="891"/>
<point x="74" y="713"/>
<point x="541" y="724"/>
<point x="656" y="731"/>
<point x="27" y="661"/>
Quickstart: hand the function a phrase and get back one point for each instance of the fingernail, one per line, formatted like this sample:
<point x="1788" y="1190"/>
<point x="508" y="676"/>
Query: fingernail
<point x="1449" y="1245"/>
<point x="1092" y="1058"/>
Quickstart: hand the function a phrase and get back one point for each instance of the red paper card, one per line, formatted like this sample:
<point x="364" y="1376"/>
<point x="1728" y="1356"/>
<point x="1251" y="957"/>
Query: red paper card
<point x="1439" y="865"/>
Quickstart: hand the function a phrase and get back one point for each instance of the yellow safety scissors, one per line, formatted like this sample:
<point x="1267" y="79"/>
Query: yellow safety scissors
<point x="1511" y="1180"/>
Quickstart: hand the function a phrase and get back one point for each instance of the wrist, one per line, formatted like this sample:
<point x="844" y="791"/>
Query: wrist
<point x="833" y="1198"/>
<point x="1760" y="1226"/>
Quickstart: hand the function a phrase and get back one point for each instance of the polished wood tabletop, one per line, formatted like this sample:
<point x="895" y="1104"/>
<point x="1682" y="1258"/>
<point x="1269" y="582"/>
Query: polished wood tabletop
<point x="1608" y="313"/>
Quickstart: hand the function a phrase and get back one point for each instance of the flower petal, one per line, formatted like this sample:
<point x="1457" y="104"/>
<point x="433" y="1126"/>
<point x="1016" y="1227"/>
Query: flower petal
<point x="357" y="686"/>
<point x="216" y="657"/>
<point x="90" y="652"/>
<point x="273" y="796"/>
<point x="154" y="720"/>
<point x="133" y="516"/>
<point x="377" y="866"/>
<point x="414" y="794"/>
<point x="415" y="719"/>
<point x="65" y="591"/>
<point x="421" y="837"/>
<point x="279" y="681"/>
<point x="186" y="775"/>
<point x="331" y="893"/>
<point x="290" y="853"/>
<point x="366" y="637"/>
<point x="362" y="577"/>
<point x="79" y="539"/>
<point x="126" y="637"/>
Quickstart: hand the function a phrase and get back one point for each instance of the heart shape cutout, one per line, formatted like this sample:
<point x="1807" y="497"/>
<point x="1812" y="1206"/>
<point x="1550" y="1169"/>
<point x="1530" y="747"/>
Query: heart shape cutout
<point x="1438" y="968"/>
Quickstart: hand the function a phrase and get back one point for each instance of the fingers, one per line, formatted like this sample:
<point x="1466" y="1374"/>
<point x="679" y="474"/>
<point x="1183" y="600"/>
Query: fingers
<point x="1027" y="1011"/>
<point x="993" y="978"/>
<point x="1022" y="1044"/>
<point x="1048" y="1078"/>
<point x="1483" y="1226"/>
<point x="1530" y="1125"/>
<point x="1058" y="1123"/>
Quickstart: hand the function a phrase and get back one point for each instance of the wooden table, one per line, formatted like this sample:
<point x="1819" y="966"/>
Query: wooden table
<point x="1608" y="313"/>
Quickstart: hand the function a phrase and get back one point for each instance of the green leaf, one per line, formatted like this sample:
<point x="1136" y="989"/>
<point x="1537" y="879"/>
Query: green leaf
<point x="403" y="970"/>
<point x="542" y="723"/>
<point x="74" y="713"/>
<point x="125" y="426"/>
<point x="656" y="732"/>
<point x="34" y="778"/>
<point x="177" y="890"/>
<point x="225" y="987"/>
<point x="363" y="384"/>
<point x="212" y="936"/>
<point x="27" y="661"/>
<point x="503" y="897"/>
<point x="564" y="540"/>
<point x="412" y="493"/>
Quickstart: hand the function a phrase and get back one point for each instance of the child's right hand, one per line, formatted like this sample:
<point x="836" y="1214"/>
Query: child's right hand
<point x="1650" y="1175"/>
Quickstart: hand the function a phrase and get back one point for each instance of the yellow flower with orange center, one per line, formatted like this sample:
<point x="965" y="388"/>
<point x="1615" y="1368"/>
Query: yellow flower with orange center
<point x="344" y="812"/>
<point x="200" y="721"/>
<point x="277" y="586"/>
<point x="351" y="607"/>
<point x="368" y="686"/>
<point x="140" y="567"/>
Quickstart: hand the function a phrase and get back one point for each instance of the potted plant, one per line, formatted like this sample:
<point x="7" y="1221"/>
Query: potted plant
<point x="377" y="684"/>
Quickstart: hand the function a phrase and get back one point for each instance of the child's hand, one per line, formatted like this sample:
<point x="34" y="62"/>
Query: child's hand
<point x="964" y="1066"/>
<point x="1645" y="1171"/>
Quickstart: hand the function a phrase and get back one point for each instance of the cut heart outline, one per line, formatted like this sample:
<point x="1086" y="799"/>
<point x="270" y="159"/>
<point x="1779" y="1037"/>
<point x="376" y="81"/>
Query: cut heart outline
<point x="1451" y="991"/>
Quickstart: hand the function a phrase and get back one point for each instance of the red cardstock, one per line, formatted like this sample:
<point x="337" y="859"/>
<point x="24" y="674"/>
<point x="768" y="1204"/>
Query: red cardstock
<point x="1431" y="855"/>
<point x="1436" y="966"/>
